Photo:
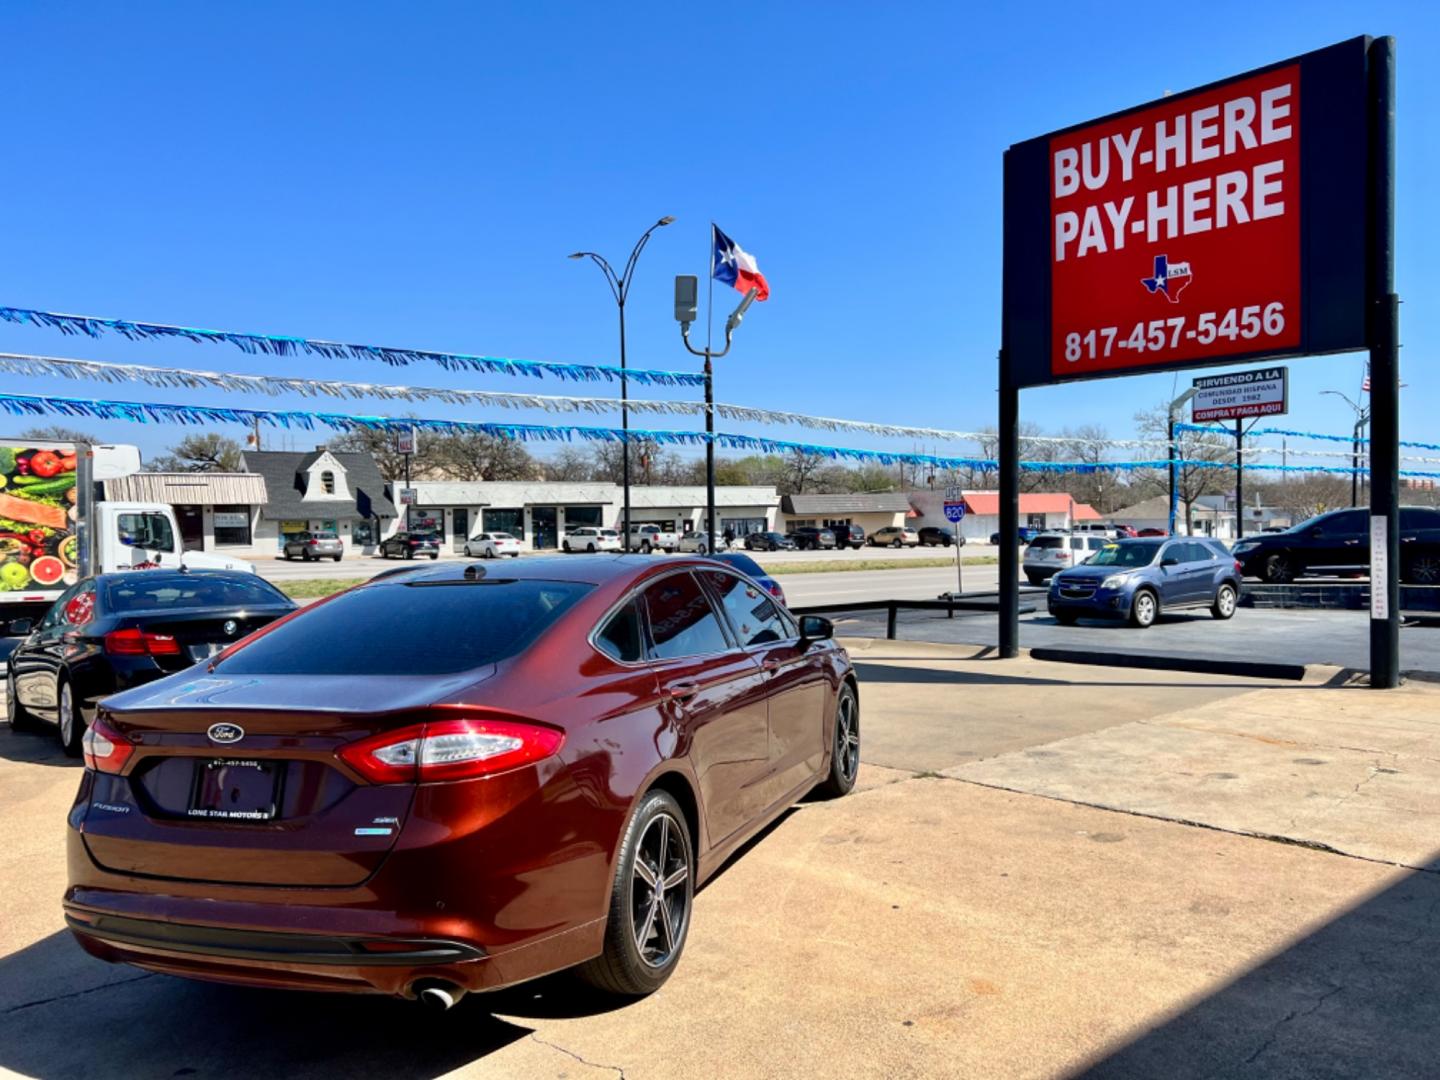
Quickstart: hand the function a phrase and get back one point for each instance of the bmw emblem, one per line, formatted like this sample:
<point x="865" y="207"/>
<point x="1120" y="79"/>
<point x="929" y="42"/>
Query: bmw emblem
<point x="230" y="627"/>
<point x="225" y="733"/>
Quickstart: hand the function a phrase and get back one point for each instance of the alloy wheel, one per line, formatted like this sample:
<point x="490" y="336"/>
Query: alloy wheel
<point x="847" y="737"/>
<point x="659" y="899"/>
<point x="1278" y="570"/>
<point x="1226" y="601"/>
<point x="1425" y="570"/>
<point x="1144" y="609"/>
<point x="67" y="715"/>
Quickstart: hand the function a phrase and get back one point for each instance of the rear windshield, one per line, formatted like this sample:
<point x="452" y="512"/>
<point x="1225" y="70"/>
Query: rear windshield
<point x="1125" y="555"/>
<point x="1048" y="542"/>
<point x="139" y="591"/>
<point x="410" y="628"/>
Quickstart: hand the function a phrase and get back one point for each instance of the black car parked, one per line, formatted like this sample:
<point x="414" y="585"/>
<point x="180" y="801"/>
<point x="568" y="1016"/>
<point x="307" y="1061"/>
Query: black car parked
<point x="849" y="536"/>
<point x="407" y="545"/>
<point x="768" y="541"/>
<point x="114" y="631"/>
<point x="809" y="538"/>
<point x="939" y="536"/>
<point x="1339" y="543"/>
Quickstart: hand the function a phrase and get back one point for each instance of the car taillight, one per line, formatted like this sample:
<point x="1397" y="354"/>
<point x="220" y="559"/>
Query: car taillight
<point x="105" y="749"/>
<point x="1238" y="567"/>
<point x="1063" y="555"/>
<point x="313" y="543"/>
<point x="776" y="591"/>
<point x="450" y="750"/>
<point x="137" y="642"/>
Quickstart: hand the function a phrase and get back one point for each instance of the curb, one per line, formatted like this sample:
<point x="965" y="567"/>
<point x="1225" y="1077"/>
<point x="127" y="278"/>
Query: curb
<point x="1253" y="669"/>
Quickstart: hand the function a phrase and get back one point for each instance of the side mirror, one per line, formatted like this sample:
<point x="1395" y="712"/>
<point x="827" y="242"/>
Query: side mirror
<point x="21" y="627"/>
<point x="1169" y="560"/>
<point x="816" y="628"/>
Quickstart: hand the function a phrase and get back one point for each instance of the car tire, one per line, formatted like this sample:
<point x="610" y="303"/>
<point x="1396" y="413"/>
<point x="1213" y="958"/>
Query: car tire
<point x="1422" y="569"/>
<point x="1279" y="569"/>
<point x="642" y="943"/>
<point x="590" y="548"/>
<point x="565" y="547"/>
<point x="409" y="554"/>
<point x="1144" y="609"/>
<point x="287" y="556"/>
<point x="844" y="746"/>
<point x="1035" y="579"/>
<point x="71" y="721"/>
<point x="645" y="547"/>
<point x="898" y="543"/>
<point x="434" y="556"/>
<point x="1066" y="618"/>
<point x="1225" y="600"/>
<point x="774" y="546"/>
<point x="21" y="718"/>
<point x="307" y="557"/>
<point x="701" y="549"/>
<point x="337" y="558"/>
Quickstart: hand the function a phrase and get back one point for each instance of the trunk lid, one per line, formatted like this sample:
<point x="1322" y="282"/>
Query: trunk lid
<point x="201" y="633"/>
<point x="272" y="804"/>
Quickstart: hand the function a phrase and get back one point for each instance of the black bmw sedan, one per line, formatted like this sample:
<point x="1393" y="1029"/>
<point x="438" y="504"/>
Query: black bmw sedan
<point x="112" y="632"/>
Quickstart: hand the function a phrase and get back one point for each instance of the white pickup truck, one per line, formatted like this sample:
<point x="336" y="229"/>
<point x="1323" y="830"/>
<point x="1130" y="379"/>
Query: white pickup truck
<point x="648" y="538"/>
<point x="55" y="528"/>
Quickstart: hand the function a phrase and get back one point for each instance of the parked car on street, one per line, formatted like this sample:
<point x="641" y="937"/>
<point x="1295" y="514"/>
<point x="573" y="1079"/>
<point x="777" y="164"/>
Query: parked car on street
<point x="894" y="536"/>
<point x="408" y="545"/>
<point x="1151" y="532"/>
<point x="543" y="756"/>
<point x="1125" y="532"/>
<point x="809" y="538"/>
<point x="697" y="543"/>
<point x="592" y="538"/>
<point x="492" y="545"/>
<point x="768" y="541"/>
<point x="748" y="566"/>
<point x="115" y="631"/>
<point x="310" y="546"/>
<point x="1339" y="543"/>
<point x="1023" y="535"/>
<point x="939" y="536"/>
<point x="648" y="538"/>
<point x="1141" y="579"/>
<point x="1052" y="552"/>
<point x="852" y="536"/>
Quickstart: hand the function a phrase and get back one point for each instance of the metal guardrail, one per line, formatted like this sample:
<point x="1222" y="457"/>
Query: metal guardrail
<point x="892" y="608"/>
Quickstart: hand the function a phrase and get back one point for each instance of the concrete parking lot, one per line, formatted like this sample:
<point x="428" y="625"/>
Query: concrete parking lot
<point x="1048" y="870"/>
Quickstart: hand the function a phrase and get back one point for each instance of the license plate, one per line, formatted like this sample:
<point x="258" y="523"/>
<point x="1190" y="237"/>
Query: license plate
<point x="235" y="789"/>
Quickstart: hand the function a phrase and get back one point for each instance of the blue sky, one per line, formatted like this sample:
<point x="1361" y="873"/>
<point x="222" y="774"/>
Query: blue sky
<point x="414" y="174"/>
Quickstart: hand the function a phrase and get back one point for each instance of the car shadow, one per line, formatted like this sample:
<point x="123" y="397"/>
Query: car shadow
<point x="66" y="1014"/>
<point x="39" y="747"/>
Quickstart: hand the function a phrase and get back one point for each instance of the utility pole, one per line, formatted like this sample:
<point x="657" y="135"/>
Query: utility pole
<point x="620" y="289"/>
<point x="1239" y="479"/>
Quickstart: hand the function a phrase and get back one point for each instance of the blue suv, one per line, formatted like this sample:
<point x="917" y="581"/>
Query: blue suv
<point x="1137" y="579"/>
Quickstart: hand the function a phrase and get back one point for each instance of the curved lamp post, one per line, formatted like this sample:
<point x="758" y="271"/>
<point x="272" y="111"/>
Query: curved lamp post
<point x="620" y="288"/>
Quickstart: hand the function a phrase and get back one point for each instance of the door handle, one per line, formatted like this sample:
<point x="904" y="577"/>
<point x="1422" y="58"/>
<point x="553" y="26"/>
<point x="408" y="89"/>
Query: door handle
<point x="682" y="691"/>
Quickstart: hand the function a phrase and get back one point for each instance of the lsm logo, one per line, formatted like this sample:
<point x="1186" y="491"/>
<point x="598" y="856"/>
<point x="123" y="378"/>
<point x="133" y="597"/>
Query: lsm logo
<point x="1170" y="278"/>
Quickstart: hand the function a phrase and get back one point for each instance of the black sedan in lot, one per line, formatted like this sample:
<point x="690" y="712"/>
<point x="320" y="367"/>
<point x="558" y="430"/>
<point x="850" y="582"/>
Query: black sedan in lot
<point x="1339" y="543"/>
<point x="409" y="545"/>
<point x="809" y="538"/>
<point x="768" y="541"/>
<point x="939" y="536"/>
<point x="112" y="632"/>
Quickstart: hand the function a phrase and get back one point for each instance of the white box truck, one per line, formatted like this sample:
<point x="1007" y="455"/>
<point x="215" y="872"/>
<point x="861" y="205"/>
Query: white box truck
<point x="56" y="527"/>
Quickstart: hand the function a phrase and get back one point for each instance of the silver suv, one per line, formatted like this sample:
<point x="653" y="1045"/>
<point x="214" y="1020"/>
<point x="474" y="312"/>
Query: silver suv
<point x="1050" y="553"/>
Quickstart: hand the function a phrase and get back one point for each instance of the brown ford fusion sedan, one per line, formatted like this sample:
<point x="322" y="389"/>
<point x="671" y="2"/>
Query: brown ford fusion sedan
<point x="454" y="779"/>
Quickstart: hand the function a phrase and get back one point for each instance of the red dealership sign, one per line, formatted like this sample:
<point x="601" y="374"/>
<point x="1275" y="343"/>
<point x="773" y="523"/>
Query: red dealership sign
<point x="1223" y="223"/>
<point x="1175" y="230"/>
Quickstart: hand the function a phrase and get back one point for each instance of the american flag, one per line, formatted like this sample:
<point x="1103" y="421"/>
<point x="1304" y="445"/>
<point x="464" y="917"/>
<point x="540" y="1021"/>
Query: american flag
<point x="1365" y="382"/>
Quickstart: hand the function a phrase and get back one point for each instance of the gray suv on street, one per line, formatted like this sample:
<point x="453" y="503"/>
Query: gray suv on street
<point x="313" y="545"/>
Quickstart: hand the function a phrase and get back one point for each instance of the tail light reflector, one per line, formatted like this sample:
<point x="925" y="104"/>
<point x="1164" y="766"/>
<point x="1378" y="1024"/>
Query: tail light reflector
<point x="137" y="642"/>
<point x="1238" y="567"/>
<point x="450" y="750"/>
<point x="105" y="749"/>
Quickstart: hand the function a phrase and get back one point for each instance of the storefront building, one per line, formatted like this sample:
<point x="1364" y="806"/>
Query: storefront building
<point x="878" y="510"/>
<point x="321" y="491"/>
<point x="540" y="513"/>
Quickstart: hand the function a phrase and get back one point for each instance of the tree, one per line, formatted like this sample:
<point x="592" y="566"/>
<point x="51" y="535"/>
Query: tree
<point x="798" y="469"/>
<point x="380" y="444"/>
<point x="210" y="452"/>
<point x="1192" y="480"/>
<point x="474" y="455"/>
<point x="570" y="464"/>
<point x="56" y="433"/>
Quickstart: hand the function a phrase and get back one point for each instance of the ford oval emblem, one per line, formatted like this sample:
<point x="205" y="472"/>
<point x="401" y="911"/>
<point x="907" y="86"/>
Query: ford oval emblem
<point x="225" y="734"/>
<point x="230" y="627"/>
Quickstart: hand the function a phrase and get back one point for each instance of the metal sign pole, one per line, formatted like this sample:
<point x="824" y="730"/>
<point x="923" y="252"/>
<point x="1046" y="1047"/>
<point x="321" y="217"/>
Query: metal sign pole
<point x="1384" y="334"/>
<point x="1009" y="454"/>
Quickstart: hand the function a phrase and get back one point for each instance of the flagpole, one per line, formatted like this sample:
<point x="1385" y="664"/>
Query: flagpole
<point x="710" y="532"/>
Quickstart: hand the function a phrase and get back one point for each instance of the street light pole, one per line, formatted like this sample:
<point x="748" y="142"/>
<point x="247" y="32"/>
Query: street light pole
<point x="620" y="289"/>
<point x="1362" y="417"/>
<point x="1170" y="414"/>
<point x="686" y="303"/>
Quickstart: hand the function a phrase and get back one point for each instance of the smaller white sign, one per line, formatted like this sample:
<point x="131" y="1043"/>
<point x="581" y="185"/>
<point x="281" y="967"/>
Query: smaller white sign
<point x="405" y="441"/>
<point x="230" y="519"/>
<point x="407" y="496"/>
<point x="1261" y="392"/>
<point x="1379" y="569"/>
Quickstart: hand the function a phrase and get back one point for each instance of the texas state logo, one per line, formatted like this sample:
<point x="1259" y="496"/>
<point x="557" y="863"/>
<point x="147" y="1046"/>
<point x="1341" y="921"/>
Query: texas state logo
<point x="1170" y="278"/>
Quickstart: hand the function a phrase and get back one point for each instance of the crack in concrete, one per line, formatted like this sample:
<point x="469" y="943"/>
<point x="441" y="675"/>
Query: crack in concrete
<point x="616" y="1069"/>
<point x="1274" y="838"/>
<point x="74" y="994"/>
<point x="1296" y="1014"/>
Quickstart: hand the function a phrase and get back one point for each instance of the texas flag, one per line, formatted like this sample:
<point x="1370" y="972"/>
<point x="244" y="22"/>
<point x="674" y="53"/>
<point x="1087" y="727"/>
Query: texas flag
<point x="734" y="266"/>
